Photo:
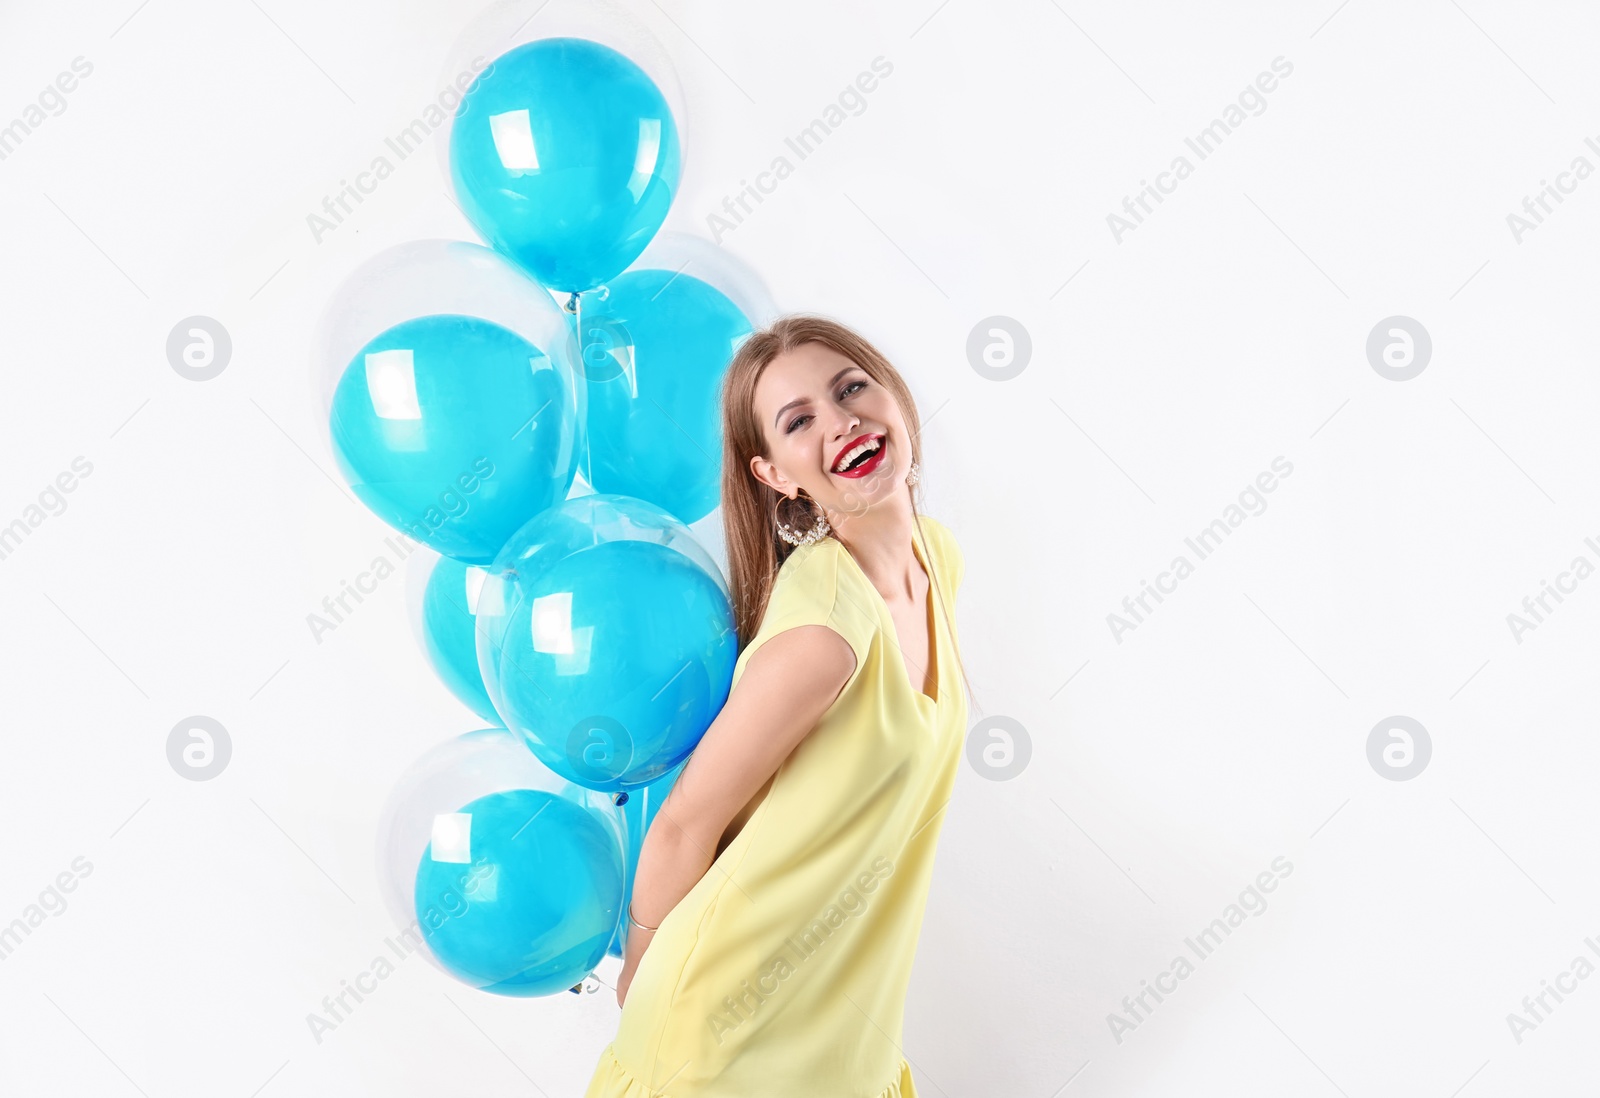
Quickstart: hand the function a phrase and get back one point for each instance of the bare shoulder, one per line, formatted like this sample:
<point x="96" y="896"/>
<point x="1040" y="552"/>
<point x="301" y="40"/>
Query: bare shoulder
<point x="789" y="683"/>
<point x="810" y="656"/>
<point x="790" y="680"/>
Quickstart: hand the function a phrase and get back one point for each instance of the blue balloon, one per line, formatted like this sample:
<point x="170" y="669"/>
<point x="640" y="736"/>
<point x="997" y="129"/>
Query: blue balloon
<point x="565" y="156"/>
<point x="654" y="355"/>
<point x="519" y="892"/>
<point x="449" y="632"/>
<point x="606" y="640"/>
<point x="637" y="813"/>
<point x="455" y="430"/>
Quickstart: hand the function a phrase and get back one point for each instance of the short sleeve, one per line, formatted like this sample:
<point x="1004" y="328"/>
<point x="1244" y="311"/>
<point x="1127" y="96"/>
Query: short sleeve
<point x="813" y="588"/>
<point x="946" y="552"/>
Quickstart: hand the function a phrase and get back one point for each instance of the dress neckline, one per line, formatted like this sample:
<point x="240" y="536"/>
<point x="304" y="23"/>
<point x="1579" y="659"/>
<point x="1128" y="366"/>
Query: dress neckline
<point x="886" y="616"/>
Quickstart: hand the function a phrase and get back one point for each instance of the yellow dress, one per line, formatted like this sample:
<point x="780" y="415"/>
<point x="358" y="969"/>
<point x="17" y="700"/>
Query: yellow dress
<point x="783" y="972"/>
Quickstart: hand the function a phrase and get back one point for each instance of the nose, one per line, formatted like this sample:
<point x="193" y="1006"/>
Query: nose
<point x="846" y="426"/>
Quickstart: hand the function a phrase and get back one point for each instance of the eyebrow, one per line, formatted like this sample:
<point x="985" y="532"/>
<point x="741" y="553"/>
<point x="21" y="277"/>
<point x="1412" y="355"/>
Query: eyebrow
<point x="803" y="400"/>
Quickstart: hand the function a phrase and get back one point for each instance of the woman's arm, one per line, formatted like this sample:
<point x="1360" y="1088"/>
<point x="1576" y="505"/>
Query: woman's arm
<point x="787" y="685"/>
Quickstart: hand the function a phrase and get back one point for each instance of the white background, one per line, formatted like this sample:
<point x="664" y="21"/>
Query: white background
<point x="1167" y="372"/>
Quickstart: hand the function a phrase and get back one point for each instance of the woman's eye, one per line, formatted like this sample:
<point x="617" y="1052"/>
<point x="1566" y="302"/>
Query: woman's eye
<point x="846" y="391"/>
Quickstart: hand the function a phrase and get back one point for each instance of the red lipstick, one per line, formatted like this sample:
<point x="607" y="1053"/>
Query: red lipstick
<point x="867" y="466"/>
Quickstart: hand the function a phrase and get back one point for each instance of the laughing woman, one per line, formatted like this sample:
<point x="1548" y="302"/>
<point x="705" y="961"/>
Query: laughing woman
<point x="781" y="888"/>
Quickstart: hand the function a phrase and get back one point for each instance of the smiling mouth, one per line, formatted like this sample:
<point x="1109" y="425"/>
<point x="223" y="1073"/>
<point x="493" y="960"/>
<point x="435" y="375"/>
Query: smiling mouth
<point x="862" y="458"/>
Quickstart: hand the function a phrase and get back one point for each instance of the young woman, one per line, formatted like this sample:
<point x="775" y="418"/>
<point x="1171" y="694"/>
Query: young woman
<point x="781" y="887"/>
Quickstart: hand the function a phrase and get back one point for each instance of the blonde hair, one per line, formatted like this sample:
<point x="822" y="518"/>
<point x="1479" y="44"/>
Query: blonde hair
<point x="750" y="509"/>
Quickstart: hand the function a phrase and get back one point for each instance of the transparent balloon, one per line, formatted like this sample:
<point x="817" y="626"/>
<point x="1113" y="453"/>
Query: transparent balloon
<point x="713" y="538"/>
<point x="606" y="640"/>
<point x="655" y="346"/>
<point x="507" y="877"/>
<point x="441" y="605"/>
<point x="716" y="266"/>
<point x="500" y="27"/>
<point x="565" y="150"/>
<point x="454" y="410"/>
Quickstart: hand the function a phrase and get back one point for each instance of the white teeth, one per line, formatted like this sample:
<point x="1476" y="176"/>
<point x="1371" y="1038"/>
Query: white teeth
<point x="856" y="451"/>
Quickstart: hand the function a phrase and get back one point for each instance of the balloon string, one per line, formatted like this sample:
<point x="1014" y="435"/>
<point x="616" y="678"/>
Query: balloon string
<point x="577" y="988"/>
<point x="584" y="463"/>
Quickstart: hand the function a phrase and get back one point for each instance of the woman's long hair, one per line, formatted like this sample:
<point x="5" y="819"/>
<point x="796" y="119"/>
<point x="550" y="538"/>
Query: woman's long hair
<point x="751" y="509"/>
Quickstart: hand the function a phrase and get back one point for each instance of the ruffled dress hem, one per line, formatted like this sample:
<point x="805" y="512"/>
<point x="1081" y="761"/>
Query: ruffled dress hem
<point x="902" y="1087"/>
<point x="612" y="1080"/>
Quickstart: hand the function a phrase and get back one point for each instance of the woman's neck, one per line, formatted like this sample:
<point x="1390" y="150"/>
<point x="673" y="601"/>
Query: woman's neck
<point x="880" y="541"/>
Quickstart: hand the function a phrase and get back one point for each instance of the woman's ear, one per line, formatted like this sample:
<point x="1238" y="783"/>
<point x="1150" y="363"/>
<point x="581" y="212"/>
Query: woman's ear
<point x="767" y="473"/>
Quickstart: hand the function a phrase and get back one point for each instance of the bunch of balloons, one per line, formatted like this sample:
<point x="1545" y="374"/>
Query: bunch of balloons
<point x="541" y="414"/>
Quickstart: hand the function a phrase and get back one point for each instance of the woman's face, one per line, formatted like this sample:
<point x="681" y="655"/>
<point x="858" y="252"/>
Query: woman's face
<point x="830" y="430"/>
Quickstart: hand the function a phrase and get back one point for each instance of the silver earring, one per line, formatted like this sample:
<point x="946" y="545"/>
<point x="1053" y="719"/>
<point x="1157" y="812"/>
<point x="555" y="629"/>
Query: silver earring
<point x="915" y="474"/>
<point x="794" y="537"/>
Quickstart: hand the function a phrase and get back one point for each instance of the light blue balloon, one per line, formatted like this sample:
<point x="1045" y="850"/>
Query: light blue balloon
<point x="449" y="633"/>
<point x="654" y="355"/>
<point x="522" y="895"/>
<point x="565" y="157"/>
<point x="454" y="430"/>
<point x="637" y="813"/>
<point x="606" y="640"/>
